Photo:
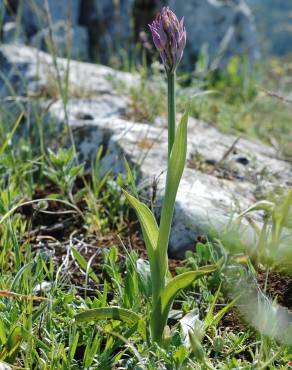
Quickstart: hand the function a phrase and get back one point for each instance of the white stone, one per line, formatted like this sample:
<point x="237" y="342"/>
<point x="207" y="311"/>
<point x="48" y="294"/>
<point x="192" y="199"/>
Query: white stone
<point x="205" y="203"/>
<point x="11" y="33"/>
<point x="4" y="366"/>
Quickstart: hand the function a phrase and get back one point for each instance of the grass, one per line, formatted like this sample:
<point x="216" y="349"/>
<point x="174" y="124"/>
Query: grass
<point x="76" y="249"/>
<point x="69" y="243"/>
<point x="234" y="102"/>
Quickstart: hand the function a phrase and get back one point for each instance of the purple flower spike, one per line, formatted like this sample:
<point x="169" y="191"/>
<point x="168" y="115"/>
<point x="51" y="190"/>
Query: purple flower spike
<point x="169" y="36"/>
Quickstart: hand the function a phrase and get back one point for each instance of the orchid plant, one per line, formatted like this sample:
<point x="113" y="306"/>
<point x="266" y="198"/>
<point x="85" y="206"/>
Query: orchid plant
<point x="169" y="36"/>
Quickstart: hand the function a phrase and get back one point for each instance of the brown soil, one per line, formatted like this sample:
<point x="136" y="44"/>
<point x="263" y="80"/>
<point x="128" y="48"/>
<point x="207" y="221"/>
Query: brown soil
<point x="51" y="233"/>
<point x="279" y="287"/>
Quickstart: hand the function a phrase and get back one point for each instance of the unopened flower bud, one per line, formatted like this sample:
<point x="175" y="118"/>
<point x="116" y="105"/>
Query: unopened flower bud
<point x="169" y="37"/>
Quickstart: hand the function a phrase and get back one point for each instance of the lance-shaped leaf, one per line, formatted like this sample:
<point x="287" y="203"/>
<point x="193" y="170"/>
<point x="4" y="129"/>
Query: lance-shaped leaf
<point x="176" y="166"/>
<point x="180" y="282"/>
<point x="176" y="284"/>
<point x="148" y="224"/>
<point x="108" y="313"/>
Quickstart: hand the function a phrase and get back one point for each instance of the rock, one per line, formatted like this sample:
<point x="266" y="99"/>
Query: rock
<point x="4" y="366"/>
<point x="107" y="30"/>
<point x="11" y="33"/>
<point x="224" y="174"/>
<point x="109" y="27"/>
<point x="35" y="17"/>
<point x="225" y="27"/>
<point x="92" y="83"/>
<point x="69" y="37"/>
<point x="85" y="80"/>
<point x="72" y="41"/>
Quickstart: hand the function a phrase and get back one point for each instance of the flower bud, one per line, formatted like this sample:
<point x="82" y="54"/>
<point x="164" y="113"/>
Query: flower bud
<point x="169" y="37"/>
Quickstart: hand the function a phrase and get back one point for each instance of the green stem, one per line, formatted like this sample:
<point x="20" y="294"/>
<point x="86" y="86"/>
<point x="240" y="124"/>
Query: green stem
<point x="156" y="322"/>
<point x="171" y="110"/>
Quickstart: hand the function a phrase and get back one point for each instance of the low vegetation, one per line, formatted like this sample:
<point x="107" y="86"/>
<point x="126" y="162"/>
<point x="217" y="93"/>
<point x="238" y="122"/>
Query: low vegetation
<point x="77" y="288"/>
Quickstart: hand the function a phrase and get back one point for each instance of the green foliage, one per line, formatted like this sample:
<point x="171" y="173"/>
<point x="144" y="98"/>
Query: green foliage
<point x="156" y="239"/>
<point x="148" y="97"/>
<point x="273" y="248"/>
<point x="63" y="170"/>
<point x="49" y="280"/>
<point x="84" y="265"/>
<point x="149" y="227"/>
<point x="113" y="313"/>
<point x="234" y="100"/>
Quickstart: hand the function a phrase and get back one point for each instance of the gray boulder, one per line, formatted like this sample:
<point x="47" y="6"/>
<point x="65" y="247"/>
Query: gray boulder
<point x="224" y="174"/>
<point x="35" y="17"/>
<point x="71" y="41"/>
<point x="12" y="33"/>
<point x="107" y="30"/>
<point x="225" y="27"/>
<point x="68" y="36"/>
<point x="110" y="30"/>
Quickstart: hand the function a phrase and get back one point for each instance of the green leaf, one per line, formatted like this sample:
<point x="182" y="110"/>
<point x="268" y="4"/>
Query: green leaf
<point x="262" y="205"/>
<point x="144" y="274"/>
<point x="84" y="265"/>
<point x="19" y="274"/>
<point x="3" y="337"/>
<point x="209" y="317"/>
<point x="285" y="211"/>
<point x="161" y="310"/>
<point x="175" y="169"/>
<point x="148" y="224"/>
<point x="73" y="346"/>
<point x="13" y="343"/>
<point x="180" y="282"/>
<point x="11" y="133"/>
<point x="130" y="178"/>
<point x="108" y="313"/>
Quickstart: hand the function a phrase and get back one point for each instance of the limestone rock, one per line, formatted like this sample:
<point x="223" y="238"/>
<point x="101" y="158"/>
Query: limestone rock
<point x="107" y="30"/>
<point x="69" y="38"/>
<point x="225" y="27"/>
<point x="85" y="80"/>
<point x="11" y="33"/>
<point x="34" y="16"/>
<point x="109" y="25"/>
<point x="224" y="174"/>
<point x="4" y="366"/>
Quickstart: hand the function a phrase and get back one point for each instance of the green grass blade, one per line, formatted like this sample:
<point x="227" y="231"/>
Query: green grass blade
<point x="11" y="133"/>
<point x="19" y="274"/>
<point x="3" y="337"/>
<point x="73" y="346"/>
<point x="219" y="315"/>
<point x="84" y="265"/>
<point x="262" y="205"/>
<point x="108" y="313"/>
<point x="130" y="178"/>
<point x="212" y="319"/>
<point x="12" y="210"/>
<point x="209" y="317"/>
